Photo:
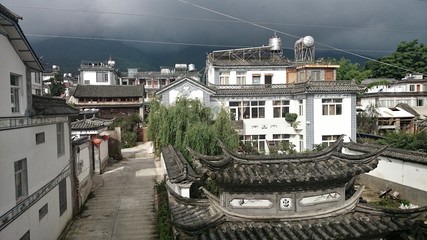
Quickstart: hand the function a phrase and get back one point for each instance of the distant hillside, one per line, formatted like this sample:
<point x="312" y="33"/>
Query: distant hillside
<point x="68" y="53"/>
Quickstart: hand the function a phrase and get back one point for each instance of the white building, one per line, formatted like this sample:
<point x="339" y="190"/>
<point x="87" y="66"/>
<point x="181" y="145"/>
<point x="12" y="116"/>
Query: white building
<point x="98" y="73"/>
<point x="411" y="90"/>
<point x="260" y="87"/>
<point x="35" y="183"/>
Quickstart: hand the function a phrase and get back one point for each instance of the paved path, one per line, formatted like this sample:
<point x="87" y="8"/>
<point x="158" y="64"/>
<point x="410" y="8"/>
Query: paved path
<point x="123" y="202"/>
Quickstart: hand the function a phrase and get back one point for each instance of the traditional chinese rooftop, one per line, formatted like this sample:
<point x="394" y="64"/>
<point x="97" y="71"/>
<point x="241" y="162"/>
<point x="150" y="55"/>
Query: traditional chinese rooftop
<point x="200" y="219"/>
<point x="91" y="123"/>
<point x="108" y="91"/>
<point x="177" y="166"/>
<point x="329" y="166"/>
<point x="50" y="106"/>
<point x="281" y="89"/>
<point x="298" y="196"/>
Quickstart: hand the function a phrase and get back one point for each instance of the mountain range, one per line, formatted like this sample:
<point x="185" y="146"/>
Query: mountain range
<point x="68" y="53"/>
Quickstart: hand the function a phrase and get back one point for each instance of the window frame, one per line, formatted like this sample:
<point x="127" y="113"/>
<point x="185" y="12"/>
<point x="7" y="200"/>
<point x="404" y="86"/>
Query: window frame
<point x="62" y="190"/>
<point x="60" y="139"/>
<point x="256" y="78"/>
<point x="43" y="211"/>
<point x="15" y="93"/>
<point x="332" y="106"/>
<point x="21" y="179"/>
<point x="224" y="77"/>
<point x="327" y="140"/>
<point x="280" y="108"/>
<point x="40" y="138"/>
<point x="241" y="77"/>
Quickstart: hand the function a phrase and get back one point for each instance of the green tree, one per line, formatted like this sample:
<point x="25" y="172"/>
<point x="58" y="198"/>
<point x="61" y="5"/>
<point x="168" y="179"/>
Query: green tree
<point x="410" y="57"/>
<point x="403" y="140"/>
<point x="350" y="71"/>
<point x="188" y="123"/>
<point x="56" y="87"/>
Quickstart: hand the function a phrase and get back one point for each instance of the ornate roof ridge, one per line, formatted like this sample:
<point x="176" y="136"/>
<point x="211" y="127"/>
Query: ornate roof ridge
<point x="402" y="154"/>
<point x="179" y="170"/>
<point x="192" y="215"/>
<point x="349" y="205"/>
<point x="223" y="160"/>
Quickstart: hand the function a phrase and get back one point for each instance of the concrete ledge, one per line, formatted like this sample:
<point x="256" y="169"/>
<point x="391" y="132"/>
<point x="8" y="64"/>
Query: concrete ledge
<point x="415" y="196"/>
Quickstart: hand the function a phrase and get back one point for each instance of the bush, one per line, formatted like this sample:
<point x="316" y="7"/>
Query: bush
<point x="163" y="212"/>
<point x="128" y="139"/>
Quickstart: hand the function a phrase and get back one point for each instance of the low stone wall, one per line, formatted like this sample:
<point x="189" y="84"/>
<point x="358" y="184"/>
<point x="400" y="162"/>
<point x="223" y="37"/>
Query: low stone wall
<point x="415" y="196"/>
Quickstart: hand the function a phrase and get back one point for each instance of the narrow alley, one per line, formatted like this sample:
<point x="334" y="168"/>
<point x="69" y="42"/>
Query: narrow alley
<point x="122" y="205"/>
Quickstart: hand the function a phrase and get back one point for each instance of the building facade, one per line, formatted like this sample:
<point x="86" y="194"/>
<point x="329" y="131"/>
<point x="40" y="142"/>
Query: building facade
<point x="273" y="99"/>
<point x="112" y="101"/>
<point x="35" y="180"/>
<point x="98" y="73"/>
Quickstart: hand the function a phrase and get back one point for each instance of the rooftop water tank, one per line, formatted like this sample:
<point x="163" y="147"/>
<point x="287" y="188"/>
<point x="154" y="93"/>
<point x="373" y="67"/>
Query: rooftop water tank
<point x="308" y="41"/>
<point x="275" y="43"/>
<point x="191" y="67"/>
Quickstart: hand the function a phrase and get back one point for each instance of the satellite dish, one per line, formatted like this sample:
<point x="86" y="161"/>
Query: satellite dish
<point x="308" y="41"/>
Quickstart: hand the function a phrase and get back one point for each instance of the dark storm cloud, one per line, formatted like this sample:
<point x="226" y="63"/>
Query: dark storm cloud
<point x="356" y="25"/>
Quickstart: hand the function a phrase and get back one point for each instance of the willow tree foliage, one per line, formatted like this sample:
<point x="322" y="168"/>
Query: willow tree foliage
<point x="188" y="123"/>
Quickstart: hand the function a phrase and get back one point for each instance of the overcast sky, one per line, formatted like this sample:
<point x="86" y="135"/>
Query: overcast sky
<point x="375" y="26"/>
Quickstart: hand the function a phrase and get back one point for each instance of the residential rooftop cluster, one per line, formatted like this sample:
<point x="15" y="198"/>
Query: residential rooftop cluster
<point x="52" y="146"/>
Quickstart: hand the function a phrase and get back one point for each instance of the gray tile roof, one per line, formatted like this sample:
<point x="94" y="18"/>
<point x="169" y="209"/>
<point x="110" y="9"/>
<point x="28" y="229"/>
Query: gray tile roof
<point x="340" y="86"/>
<point x="348" y="226"/>
<point x="198" y="219"/>
<point x="108" y="91"/>
<point x="177" y="166"/>
<point x="329" y="166"/>
<point x="91" y="123"/>
<point x="50" y="106"/>
<point x="400" y="154"/>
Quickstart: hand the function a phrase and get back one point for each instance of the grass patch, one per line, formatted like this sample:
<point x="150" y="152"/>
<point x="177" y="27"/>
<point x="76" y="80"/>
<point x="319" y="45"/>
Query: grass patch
<point x="163" y="212"/>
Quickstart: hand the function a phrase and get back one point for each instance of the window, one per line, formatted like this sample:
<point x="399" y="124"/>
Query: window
<point x="26" y="236"/>
<point x="300" y="108"/>
<point x="267" y="80"/>
<point x="62" y="196"/>
<point x="102" y="77"/>
<point x="332" y="106"/>
<point x="241" y="78"/>
<point x="257" y="109"/>
<point x="257" y="141"/>
<point x="419" y="102"/>
<point x="327" y="140"/>
<point x="43" y="211"/>
<point x="412" y="88"/>
<point x="301" y="143"/>
<point x="21" y="182"/>
<point x="278" y="138"/>
<point x="280" y="108"/>
<point x="256" y="79"/>
<point x="60" y="139"/>
<point x="315" y="75"/>
<point x="224" y="78"/>
<point x="14" y="92"/>
<point x="37" y="77"/>
<point x="40" y="138"/>
<point x="246" y="110"/>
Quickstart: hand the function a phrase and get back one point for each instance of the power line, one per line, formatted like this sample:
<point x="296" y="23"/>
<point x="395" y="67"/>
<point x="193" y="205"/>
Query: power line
<point x="294" y="36"/>
<point x="216" y="20"/>
<point x="177" y="43"/>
